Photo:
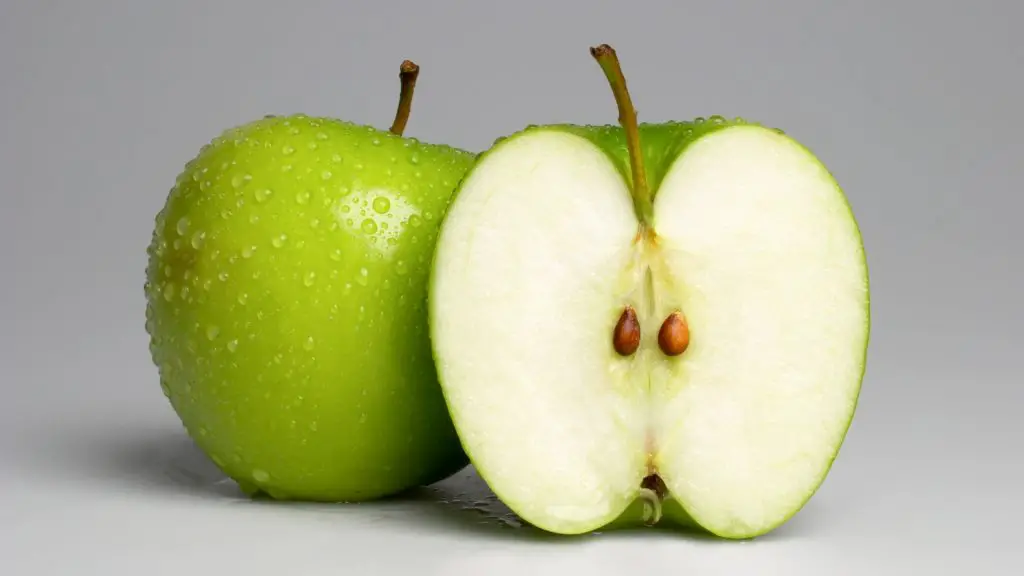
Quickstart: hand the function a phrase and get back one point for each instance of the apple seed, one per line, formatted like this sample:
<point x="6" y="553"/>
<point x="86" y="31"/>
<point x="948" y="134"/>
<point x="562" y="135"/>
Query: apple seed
<point x="674" y="336"/>
<point x="626" y="337"/>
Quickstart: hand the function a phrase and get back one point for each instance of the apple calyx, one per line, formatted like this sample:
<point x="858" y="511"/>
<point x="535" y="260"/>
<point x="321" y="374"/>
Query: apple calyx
<point x="408" y="73"/>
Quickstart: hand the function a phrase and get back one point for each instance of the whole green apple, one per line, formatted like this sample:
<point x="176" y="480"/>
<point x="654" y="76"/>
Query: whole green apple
<point x="286" y="292"/>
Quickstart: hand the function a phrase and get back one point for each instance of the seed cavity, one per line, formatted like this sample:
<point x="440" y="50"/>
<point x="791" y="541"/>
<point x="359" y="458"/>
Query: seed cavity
<point x="674" y="335"/>
<point x="626" y="337"/>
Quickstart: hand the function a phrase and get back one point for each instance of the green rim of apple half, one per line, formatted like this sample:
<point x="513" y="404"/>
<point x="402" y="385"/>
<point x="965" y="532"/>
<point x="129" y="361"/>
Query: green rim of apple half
<point x="677" y="334"/>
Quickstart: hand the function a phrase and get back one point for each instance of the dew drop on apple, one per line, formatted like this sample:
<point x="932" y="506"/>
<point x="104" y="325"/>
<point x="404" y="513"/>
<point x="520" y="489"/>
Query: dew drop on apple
<point x="401" y="268"/>
<point x="322" y="135"/>
<point x="363" y="277"/>
<point x="247" y="251"/>
<point x="212" y="332"/>
<point x="169" y="291"/>
<point x="223" y="276"/>
<point x="381" y="205"/>
<point x="197" y="239"/>
<point x="414" y="159"/>
<point x="309" y="279"/>
<point x="232" y="345"/>
<point x="260" y="475"/>
<point x="336" y="254"/>
<point x="302" y="197"/>
<point x="239" y="180"/>
<point x="336" y="158"/>
<point x="376" y="141"/>
<point x="326" y="175"/>
<point x="263" y="194"/>
<point x="309" y="344"/>
<point x="362" y="418"/>
<point x="182" y="226"/>
<point x="369" y="226"/>
<point x="279" y="240"/>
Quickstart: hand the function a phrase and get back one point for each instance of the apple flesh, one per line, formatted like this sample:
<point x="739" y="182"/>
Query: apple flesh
<point x="286" y="290"/>
<point x="752" y="246"/>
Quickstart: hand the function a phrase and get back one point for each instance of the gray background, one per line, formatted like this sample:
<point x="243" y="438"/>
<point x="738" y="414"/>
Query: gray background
<point x="915" y="106"/>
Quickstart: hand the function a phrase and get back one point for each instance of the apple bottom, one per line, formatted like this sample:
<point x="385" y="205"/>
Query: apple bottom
<point x="565" y="412"/>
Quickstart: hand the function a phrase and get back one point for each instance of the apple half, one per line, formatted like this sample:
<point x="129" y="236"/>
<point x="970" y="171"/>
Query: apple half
<point x="672" y="313"/>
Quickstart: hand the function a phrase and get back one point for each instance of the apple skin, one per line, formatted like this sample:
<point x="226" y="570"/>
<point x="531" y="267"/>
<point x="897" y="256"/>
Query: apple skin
<point x="286" y="307"/>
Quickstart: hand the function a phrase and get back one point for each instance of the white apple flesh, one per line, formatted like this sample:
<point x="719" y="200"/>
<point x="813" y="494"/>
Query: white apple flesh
<point x="751" y="240"/>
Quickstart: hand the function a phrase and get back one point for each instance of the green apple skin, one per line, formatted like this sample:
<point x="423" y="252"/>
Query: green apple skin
<point x="662" y="144"/>
<point x="286" y="289"/>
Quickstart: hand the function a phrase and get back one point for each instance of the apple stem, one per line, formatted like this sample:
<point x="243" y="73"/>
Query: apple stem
<point x="408" y="73"/>
<point x="609" y="62"/>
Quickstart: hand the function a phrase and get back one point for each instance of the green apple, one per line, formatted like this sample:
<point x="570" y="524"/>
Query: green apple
<point x="672" y="313"/>
<point x="286" y="305"/>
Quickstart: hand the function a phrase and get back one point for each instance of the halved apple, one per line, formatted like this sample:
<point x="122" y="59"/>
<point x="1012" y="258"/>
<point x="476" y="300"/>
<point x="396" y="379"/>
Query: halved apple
<point x="687" y="320"/>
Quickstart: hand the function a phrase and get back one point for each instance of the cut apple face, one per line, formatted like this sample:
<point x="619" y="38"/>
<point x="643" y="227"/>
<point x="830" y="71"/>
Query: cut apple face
<point x="711" y="355"/>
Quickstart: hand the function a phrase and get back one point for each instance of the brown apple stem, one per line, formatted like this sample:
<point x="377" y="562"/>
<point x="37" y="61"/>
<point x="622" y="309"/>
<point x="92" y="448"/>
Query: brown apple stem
<point x="609" y="62"/>
<point x="409" y="71"/>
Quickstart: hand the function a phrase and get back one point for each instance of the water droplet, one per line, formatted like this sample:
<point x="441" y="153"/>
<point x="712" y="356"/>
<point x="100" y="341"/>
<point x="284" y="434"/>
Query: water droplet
<point x="182" y="225"/>
<point x="381" y="205"/>
<point x="363" y="278"/>
<point x="232" y="345"/>
<point x="326" y="175"/>
<point x="166" y="389"/>
<point x="260" y="475"/>
<point x="302" y="197"/>
<point x="169" y="291"/>
<point x="247" y="251"/>
<point x="168" y="271"/>
<point x="345" y="208"/>
<point x="312" y="146"/>
<point x="240" y="180"/>
<point x="223" y="276"/>
<point x="212" y="332"/>
<point x="278" y="241"/>
<point x="287" y="150"/>
<point x="336" y="158"/>
<point x="313" y="426"/>
<point x="264" y="194"/>
<point x="321" y="136"/>
<point x="429" y="216"/>
<point x="309" y="279"/>
<point x="308" y="344"/>
<point x="184" y="293"/>
<point x="415" y="221"/>
<point x="254" y="218"/>
<point x="362" y="418"/>
<point x="197" y="239"/>
<point x="376" y="141"/>
<point x="336" y="255"/>
<point x="401" y="267"/>
<point x="414" y="159"/>
<point x="368" y="226"/>
<point x="243" y="298"/>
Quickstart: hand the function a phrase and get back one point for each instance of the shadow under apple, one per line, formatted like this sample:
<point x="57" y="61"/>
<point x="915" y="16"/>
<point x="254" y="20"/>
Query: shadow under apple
<point x="168" y="463"/>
